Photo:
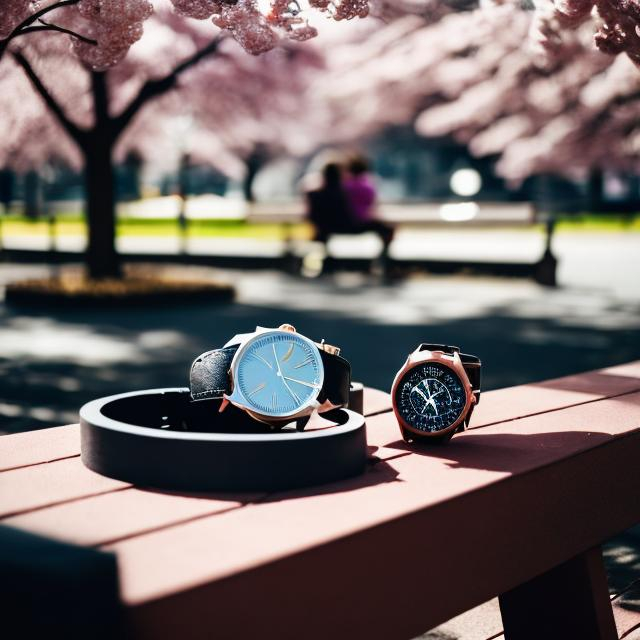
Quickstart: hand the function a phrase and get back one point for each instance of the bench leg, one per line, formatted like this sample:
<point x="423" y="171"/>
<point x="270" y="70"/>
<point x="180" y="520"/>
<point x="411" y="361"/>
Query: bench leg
<point x="568" y="601"/>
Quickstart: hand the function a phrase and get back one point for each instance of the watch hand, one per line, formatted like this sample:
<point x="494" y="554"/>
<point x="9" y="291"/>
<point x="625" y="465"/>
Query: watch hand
<point x="306" y="384"/>
<point x="293" y="395"/>
<point x="422" y="394"/>
<point x="263" y="360"/>
<point x="431" y="402"/>
<point x="275" y="355"/>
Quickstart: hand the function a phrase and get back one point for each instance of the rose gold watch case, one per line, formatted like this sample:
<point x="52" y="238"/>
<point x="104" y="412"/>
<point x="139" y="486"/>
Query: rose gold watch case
<point x="451" y="361"/>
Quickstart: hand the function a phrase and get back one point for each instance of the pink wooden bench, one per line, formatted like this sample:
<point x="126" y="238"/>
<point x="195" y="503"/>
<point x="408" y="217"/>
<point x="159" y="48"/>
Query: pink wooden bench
<point x="517" y="506"/>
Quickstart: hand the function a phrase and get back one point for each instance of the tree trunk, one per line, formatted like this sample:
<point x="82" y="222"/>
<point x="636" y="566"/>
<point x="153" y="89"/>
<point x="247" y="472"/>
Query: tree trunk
<point x="101" y="258"/>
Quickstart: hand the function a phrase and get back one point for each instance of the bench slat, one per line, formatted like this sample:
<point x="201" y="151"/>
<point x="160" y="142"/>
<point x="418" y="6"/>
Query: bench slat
<point x="114" y="516"/>
<point x="550" y="395"/>
<point x="36" y="447"/>
<point x="42" y="485"/>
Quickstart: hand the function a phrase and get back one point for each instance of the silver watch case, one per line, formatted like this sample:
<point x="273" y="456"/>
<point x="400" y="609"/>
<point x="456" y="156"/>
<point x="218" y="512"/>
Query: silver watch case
<point x="237" y="398"/>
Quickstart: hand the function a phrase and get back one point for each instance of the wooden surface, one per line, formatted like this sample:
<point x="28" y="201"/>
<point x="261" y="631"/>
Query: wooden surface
<point x="547" y="471"/>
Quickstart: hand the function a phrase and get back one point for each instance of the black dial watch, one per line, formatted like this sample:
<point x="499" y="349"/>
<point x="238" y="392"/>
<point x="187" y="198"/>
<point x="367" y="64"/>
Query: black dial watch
<point x="434" y="393"/>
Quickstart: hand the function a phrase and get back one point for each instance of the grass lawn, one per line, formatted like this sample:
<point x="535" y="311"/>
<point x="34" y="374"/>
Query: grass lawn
<point x="74" y="225"/>
<point x="599" y="222"/>
<point x="14" y="225"/>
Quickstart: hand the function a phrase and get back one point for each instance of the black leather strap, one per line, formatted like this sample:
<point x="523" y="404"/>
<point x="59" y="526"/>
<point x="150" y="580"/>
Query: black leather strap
<point x="210" y="379"/>
<point x="337" y="379"/>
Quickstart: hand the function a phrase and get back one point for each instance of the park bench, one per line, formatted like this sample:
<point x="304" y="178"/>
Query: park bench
<point x="434" y="217"/>
<point x="516" y="507"/>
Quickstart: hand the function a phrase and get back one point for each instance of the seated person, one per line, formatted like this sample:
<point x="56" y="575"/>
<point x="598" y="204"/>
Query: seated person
<point x="361" y="195"/>
<point x="328" y="207"/>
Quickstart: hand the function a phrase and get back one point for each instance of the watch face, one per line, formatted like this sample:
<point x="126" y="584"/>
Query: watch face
<point x="279" y="373"/>
<point x="430" y="397"/>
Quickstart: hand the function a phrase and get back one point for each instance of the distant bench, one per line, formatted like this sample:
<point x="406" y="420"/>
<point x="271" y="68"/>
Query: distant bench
<point x="438" y="216"/>
<point x="432" y="214"/>
<point x="516" y="507"/>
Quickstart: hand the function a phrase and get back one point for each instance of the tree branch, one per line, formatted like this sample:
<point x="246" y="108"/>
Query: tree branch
<point x="26" y="25"/>
<point x="70" y="127"/>
<point x="42" y="12"/>
<point x="47" y="26"/>
<point x="154" y="88"/>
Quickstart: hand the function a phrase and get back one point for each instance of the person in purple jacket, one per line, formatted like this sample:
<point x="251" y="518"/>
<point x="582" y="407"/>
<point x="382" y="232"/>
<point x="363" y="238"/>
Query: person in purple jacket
<point x="361" y="197"/>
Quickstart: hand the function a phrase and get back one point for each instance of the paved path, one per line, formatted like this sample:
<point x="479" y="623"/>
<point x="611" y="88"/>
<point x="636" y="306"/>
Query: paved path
<point x="590" y="260"/>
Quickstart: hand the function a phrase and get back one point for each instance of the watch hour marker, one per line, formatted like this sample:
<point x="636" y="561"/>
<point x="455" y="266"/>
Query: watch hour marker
<point x="304" y="363"/>
<point x="274" y="400"/>
<point x="260" y="387"/>
<point x="288" y="354"/>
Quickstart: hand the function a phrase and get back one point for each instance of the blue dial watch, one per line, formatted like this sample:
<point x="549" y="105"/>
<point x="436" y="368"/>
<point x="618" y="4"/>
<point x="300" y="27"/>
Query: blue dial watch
<point x="274" y="375"/>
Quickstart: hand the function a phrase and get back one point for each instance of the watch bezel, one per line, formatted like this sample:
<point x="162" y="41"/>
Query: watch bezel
<point x="237" y="398"/>
<point x="451" y="361"/>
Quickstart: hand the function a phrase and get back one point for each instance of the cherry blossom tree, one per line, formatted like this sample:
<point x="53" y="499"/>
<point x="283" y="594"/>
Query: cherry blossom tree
<point x="94" y="109"/>
<point x="101" y="31"/>
<point x="468" y="76"/>
<point x="569" y="114"/>
<point x="95" y="113"/>
<point x="89" y="112"/>
<point x="616" y="24"/>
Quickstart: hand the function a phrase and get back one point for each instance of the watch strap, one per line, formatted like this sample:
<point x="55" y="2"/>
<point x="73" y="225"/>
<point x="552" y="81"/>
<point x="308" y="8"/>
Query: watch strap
<point x="209" y="377"/>
<point x="337" y="379"/>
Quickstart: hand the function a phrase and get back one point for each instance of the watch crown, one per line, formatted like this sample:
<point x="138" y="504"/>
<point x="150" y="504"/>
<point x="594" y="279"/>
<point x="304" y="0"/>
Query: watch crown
<point x="329" y="348"/>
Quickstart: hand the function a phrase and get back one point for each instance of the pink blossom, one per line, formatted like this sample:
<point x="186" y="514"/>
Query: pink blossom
<point x="616" y="24"/>
<point x="13" y="13"/>
<point x="114" y="24"/>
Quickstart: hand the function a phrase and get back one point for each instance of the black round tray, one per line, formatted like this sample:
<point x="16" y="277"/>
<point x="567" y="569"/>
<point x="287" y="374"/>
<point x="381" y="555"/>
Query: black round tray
<point x="159" y="438"/>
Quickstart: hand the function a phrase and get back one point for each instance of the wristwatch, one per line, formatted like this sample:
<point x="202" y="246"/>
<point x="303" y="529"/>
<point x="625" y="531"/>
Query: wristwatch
<point x="434" y="393"/>
<point x="276" y="376"/>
